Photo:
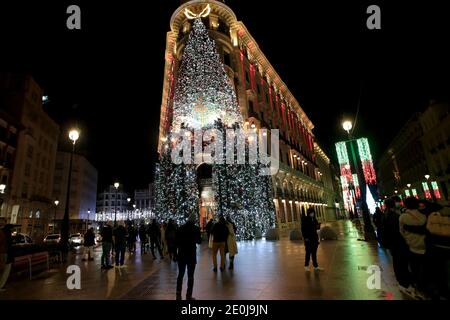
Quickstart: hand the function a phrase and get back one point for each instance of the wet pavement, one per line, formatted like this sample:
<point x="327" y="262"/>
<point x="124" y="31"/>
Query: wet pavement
<point x="271" y="270"/>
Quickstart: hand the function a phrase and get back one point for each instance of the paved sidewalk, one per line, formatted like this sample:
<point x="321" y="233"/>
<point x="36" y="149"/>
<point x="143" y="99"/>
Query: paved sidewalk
<point x="263" y="270"/>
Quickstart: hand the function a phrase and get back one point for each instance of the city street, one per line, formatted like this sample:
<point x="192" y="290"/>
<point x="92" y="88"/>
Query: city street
<point x="263" y="270"/>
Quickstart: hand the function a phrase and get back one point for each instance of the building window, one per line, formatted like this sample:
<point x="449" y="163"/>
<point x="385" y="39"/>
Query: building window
<point x="24" y="190"/>
<point x="247" y="77"/>
<point x="27" y="169"/>
<point x="30" y="152"/>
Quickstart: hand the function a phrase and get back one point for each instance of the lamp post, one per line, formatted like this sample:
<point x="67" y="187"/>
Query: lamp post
<point x="73" y="135"/>
<point x="128" y="208"/>
<point x="54" y="217"/>
<point x="87" y="221"/>
<point x="368" y="227"/>
<point x="116" y="185"/>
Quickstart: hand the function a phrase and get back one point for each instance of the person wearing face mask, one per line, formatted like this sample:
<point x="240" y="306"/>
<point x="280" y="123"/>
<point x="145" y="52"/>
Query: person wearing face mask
<point x="309" y="228"/>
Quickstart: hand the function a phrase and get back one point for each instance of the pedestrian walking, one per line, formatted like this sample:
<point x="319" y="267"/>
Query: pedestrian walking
<point x="309" y="228"/>
<point x="208" y="228"/>
<point x="231" y="247"/>
<point x="6" y="254"/>
<point x="220" y="235"/>
<point x="171" y="233"/>
<point x="397" y="246"/>
<point x="187" y="238"/>
<point x="120" y="235"/>
<point x="155" y="238"/>
<point x="107" y="243"/>
<point x="413" y="229"/>
<point x="143" y="238"/>
<point x="132" y="238"/>
<point x="89" y="243"/>
<point x="378" y="218"/>
<point x="162" y="229"/>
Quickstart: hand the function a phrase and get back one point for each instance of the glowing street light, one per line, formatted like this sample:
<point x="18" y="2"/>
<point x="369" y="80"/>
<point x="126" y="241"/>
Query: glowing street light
<point x="2" y="188"/>
<point x="116" y="185"/>
<point x="347" y="125"/>
<point x="74" y="135"/>
<point x="427" y="176"/>
<point x="409" y="185"/>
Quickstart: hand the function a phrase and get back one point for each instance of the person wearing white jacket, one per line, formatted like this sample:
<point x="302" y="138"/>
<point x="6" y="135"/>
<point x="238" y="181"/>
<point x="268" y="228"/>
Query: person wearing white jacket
<point x="413" y="228"/>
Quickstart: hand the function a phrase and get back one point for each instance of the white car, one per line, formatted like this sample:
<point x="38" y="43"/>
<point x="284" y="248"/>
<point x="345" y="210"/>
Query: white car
<point x="76" y="239"/>
<point x="52" y="238"/>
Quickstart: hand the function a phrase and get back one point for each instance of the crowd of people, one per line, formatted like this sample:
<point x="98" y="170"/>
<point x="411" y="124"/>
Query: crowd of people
<point x="417" y="234"/>
<point x="179" y="243"/>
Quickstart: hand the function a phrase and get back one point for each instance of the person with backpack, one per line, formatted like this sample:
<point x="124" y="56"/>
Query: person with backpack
<point x="437" y="243"/>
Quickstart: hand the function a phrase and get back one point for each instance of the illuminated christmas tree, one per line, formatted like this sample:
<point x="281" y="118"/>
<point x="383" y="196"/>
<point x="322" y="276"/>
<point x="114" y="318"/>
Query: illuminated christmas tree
<point x="204" y="98"/>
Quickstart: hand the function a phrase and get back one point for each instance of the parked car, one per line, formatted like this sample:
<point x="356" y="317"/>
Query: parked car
<point x="76" y="239"/>
<point x="52" y="238"/>
<point x="21" y="239"/>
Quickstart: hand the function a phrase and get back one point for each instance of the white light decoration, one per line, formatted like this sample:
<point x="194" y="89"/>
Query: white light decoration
<point x="204" y="13"/>
<point x="203" y="93"/>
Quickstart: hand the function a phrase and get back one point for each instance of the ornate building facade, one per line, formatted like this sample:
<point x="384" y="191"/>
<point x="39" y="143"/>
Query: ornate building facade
<point x="265" y="102"/>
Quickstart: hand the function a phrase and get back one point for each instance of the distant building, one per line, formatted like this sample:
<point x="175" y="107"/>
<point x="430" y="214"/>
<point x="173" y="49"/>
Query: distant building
<point x="332" y="192"/>
<point x="421" y="148"/>
<point x="34" y="161"/>
<point x="83" y="189"/>
<point x="9" y="130"/>
<point x="144" y="199"/>
<point x="111" y="200"/>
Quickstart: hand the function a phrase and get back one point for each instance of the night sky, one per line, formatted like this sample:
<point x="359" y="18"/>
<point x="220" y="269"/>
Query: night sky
<point x="107" y="78"/>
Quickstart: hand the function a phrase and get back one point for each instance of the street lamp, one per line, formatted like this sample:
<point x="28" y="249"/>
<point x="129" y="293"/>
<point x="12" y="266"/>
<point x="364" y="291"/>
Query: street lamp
<point x="368" y="228"/>
<point x="409" y="185"/>
<point x="116" y="185"/>
<point x="347" y="125"/>
<point x="427" y="176"/>
<point x="87" y="221"/>
<point x="128" y="208"/>
<point x="73" y="135"/>
<point x="54" y="217"/>
<point x="2" y="188"/>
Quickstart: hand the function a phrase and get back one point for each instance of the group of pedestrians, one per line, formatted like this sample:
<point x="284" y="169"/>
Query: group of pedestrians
<point x="115" y="241"/>
<point x="417" y="234"/>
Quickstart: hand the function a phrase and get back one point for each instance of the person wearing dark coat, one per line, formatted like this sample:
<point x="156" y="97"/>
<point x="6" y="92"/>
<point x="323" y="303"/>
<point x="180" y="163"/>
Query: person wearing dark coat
<point x="6" y="254"/>
<point x="154" y="233"/>
<point x="107" y="242"/>
<point x="132" y="238"/>
<point x="187" y="238"/>
<point x="143" y="238"/>
<point x="309" y="228"/>
<point x="378" y="218"/>
<point x="171" y="233"/>
<point x="208" y="227"/>
<point x="89" y="243"/>
<point x="397" y="246"/>
<point x="120" y="243"/>
<point x="220" y="236"/>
